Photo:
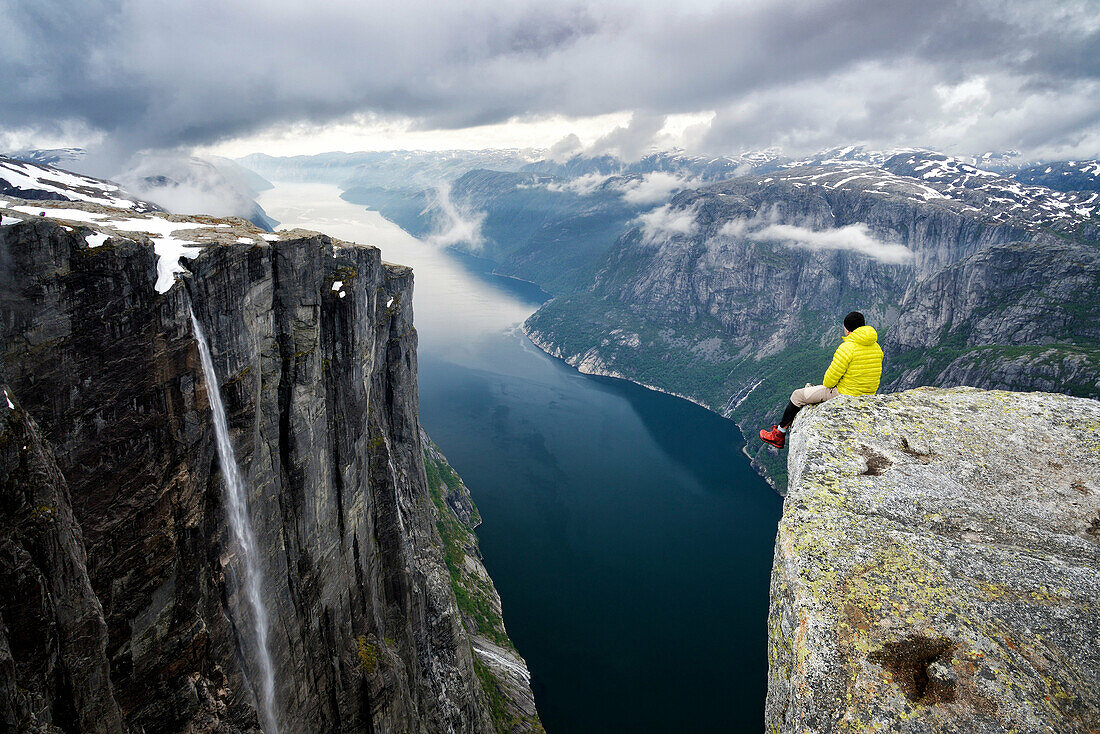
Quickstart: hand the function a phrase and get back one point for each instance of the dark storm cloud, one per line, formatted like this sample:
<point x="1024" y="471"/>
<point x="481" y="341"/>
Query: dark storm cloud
<point x="160" y="74"/>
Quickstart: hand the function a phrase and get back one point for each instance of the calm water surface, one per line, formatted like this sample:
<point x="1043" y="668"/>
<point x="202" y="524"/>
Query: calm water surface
<point x="628" y="537"/>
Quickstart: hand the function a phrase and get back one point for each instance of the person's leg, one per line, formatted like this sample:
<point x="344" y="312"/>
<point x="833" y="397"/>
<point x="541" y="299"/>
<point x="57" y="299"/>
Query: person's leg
<point x="809" y="395"/>
<point x="777" y="435"/>
<point x="803" y="396"/>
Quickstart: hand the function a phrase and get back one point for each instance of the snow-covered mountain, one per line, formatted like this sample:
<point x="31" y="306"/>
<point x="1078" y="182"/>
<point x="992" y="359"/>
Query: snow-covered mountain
<point x="172" y="236"/>
<point x="35" y="181"/>
<point x="105" y="210"/>
<point x="1001" y="198"/>
<point x="48" y="156"/>
<point x="923" y="176"/>
<point x="1062" y="175"/>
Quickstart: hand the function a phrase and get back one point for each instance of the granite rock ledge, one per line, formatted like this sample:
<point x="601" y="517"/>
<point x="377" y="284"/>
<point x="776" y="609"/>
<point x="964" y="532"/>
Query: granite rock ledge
<point x="937" y="566"/>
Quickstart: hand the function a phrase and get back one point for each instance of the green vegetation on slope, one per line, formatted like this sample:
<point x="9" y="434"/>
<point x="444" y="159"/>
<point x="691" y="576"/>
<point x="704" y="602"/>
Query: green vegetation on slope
<point x="474" y="593"/>
<point x="456" y="518"/>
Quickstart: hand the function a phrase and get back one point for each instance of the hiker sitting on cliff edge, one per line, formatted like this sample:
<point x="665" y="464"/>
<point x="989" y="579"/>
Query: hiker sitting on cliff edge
<point x="856" y="370"/>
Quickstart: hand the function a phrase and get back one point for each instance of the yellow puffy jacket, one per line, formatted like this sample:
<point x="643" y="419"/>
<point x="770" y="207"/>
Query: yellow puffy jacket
<point x="857" y="364"/>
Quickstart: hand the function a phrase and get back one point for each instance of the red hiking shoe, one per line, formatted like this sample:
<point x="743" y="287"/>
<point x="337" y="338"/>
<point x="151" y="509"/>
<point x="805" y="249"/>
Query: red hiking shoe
<point x="775" y="437"/>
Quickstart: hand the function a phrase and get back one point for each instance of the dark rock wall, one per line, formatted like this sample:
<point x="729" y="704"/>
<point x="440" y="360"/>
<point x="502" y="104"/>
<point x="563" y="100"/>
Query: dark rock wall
<point x="749" y="287"/>
<point x="53" y="638"/>
<point x="321" y="396"/>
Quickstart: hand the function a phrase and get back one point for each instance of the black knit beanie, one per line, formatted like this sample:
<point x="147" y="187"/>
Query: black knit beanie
<point x="853" y="321"/>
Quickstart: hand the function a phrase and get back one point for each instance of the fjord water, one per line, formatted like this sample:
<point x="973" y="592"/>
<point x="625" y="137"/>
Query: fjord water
<point x="629" y="539"/>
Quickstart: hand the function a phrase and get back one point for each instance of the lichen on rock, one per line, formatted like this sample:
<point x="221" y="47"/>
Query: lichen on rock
<point x="937" y="567"/>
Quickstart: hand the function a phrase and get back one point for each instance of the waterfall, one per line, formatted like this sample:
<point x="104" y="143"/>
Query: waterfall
<point x="236" y="509"/>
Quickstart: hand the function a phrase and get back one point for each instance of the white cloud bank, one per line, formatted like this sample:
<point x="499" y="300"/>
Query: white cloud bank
<point x="581" y="185"/>
<point x="957" y="75"/>
<point x="853" y="237"/>
<point x="664" y="223"/>
<point x="653" y="188"/>
<point x="650" y="188"/>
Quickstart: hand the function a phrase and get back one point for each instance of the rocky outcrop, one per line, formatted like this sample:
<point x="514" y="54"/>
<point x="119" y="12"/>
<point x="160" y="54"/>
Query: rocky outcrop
<point x="314" y="344"/>
<point x="937" y="567"/>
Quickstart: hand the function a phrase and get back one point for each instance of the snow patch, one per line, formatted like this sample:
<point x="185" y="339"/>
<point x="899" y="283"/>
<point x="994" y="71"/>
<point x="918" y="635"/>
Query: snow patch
<point x="161" y="231"/>
<point x="31" y="177"/>
<point x="169" y="251"/>
<point x="97" y="238"/>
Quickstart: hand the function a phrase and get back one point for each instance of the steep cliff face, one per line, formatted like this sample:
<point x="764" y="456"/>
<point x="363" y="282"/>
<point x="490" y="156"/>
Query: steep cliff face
<point x="937" y="566"/>
<point x="53" y="637"/>
<point x="314" y="345"/>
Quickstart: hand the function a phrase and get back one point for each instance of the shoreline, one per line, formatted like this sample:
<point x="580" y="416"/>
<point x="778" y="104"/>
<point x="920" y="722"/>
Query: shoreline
<point x="596" y="369"/>
<point x="588" y="369"/>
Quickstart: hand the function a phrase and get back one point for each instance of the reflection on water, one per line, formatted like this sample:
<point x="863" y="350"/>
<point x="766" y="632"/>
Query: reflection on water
<point x="629" y="539"/>
<point x="454" y="311"/>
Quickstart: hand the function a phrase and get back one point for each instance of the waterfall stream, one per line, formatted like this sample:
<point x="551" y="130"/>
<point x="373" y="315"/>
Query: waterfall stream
<point x="236" y="510"/>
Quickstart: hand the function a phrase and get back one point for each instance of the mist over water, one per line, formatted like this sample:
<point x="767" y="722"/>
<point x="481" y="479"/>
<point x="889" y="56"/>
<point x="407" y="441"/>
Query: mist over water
<point x="629" y="539"/>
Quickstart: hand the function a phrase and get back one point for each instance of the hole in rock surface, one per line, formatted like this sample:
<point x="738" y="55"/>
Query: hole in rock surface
<point x="921" y="666"/>
<point x="876" y="462"/>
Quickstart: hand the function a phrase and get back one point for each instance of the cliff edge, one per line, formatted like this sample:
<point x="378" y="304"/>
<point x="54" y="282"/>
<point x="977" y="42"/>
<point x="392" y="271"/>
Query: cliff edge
<point x="937" y="566"/>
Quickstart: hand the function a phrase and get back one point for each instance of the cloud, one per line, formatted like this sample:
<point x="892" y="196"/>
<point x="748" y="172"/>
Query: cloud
<point x="453" y="224"/>
<point x="792" y="73"/>
<point x="631" y="141"/>
<point x="186" y="186"/>
<point x="653" y="188"/>
<point x="581" y="185"/>
<point x="566" y="148"/>
<point x="853" y="237"/>
<point x="664" y="223"/>
<point x="647" y="189"/>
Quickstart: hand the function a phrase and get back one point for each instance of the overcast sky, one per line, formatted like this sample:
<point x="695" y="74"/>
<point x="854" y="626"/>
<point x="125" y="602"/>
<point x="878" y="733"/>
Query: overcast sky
<point x="962" y="76"/>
